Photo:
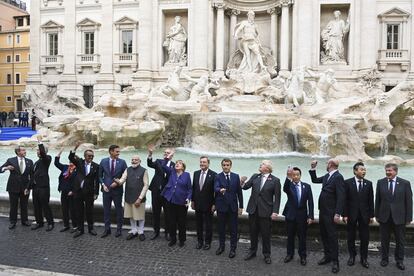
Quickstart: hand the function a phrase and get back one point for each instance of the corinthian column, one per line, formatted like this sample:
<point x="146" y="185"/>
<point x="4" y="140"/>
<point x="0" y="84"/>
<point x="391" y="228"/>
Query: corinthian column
<point x="284" y="36"/>
<point x="233" y="22"/>
<point x="220" y="37"/>
<point x="273" y="31"/>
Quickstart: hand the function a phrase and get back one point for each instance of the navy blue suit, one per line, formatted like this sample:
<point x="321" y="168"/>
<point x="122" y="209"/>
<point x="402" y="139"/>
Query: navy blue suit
<point x="296" y="213"/>
<point x="227" y="206"/>
<point x="114" y="194"/>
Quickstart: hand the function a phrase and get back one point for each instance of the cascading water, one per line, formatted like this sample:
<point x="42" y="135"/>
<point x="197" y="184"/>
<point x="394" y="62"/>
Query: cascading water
<point x="322" y="131"/>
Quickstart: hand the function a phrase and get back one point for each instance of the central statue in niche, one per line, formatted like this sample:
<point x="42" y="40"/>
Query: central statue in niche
<point x="249" y="45"/>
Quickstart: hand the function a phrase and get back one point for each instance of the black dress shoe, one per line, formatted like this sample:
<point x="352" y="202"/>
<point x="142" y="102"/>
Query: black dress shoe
<point x="64" y="229"/>
<point x="181" y="244"/>
<point x="364" y="263"/>
<point x="172" y="243"/>
<point x="154" y="235"/>
<point x="335" y="267"/>
<point x="167" y="237"/>
<point x="78" y="234"/>
<point x="25" y="223"/>
<point x="351" y="261"/>
<point x="12" y="226"/>
<point x="131" y="236"/>
<point x="232" y="254"/>
<point x="400" y="266"/>
<point x="250" y="255"/>
<point x="73" y="230"/>
<point x="206" y="247"/>
<point x="219" y="250"/>
<point x="141" y="237"/>
<point x="92" y="232"/>
<point x="118" y="233"/>
<point x="303" y="261"/>
<point x="36" y="226"/>
<point x="199" y="245"/>
<point x="267" y="260"/>
<point x="288" y="258"/>
<point x="384" y="263"/>
<point x="49" y="227"/>
<point x="105" y="234"/>
<point x="324" y="261"/>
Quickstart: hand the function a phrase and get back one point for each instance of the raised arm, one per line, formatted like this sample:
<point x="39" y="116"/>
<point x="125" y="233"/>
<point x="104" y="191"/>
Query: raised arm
<point x="249" y="183"/>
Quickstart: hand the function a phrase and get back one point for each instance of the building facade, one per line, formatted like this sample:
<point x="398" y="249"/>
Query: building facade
<point x="14" y="55"/>
<point x="89" y="47"/>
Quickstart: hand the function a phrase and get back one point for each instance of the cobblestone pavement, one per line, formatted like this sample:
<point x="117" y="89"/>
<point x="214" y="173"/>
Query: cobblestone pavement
<point x="89" y="255"/>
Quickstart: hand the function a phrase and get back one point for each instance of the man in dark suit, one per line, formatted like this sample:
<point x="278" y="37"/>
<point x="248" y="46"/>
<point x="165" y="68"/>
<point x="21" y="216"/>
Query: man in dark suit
<point x="40" y="183"/>
<point x="331" y="207"/>
<point x="85" y="189"/>
<point x="393" y="210"/>
<point x="298" y="212"/>
<point x="203" y="202"/>
<point x="359" y="209"/>
<point x="112" y="168"/>
<point x="229" y="204"/>
<point x="263" y="206"/>
<point x="18" y="183"/>
<point x="158" y="182"/>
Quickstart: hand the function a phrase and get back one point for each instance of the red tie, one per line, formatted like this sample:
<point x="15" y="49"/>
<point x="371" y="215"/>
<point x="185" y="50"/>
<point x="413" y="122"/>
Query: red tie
<point x="113" y="167"/>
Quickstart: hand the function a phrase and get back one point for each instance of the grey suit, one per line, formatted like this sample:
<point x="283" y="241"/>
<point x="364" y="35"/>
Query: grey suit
<point x="393" y="212"/>
<point x="262" y="203"/>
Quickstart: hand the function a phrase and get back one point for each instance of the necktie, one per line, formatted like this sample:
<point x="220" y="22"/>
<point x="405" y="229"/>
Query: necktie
<point x="202" y="179"/>
<point x="391" y="187"/>
<point x="359" y="185"/>
<point x="297" y="187"/>
<point x="113" y="167"/>
<point x="21" y="165"/>
<point x="263" y="181"/>
<point x="228" y="181"/>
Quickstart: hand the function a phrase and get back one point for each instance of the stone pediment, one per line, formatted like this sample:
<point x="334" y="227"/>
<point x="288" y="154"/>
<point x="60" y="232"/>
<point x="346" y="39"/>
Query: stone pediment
<point x="88" y="23"/>
<point x="394" y="14"/>
<point x="126" y="21"/>
<point x="51" y="25"/>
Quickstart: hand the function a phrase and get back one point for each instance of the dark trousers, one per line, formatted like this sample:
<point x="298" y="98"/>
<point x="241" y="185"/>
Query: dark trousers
<point x="299" y="229"/>
<point x="363" y="231"/>
<point x="41" y="205"/>
<point x="84" y="207"/>
<point x="223" y="219"/>
<point x="68" y="209"/>
<point x="159" y="202"/>
<point x="204" y="225"/>
<point x="116" y="197"/>
<point x="263" y="226"/>
<point x="399" y="233"/>
<point x="14" y="203"/>
<point x="177" y="218"/>
<point x="329" y="236"/>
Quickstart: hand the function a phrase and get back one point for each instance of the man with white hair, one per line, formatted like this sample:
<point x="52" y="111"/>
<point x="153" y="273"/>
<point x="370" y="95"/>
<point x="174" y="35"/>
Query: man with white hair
<point x="136" y="187"/>
<point x="331" y="207"/>
<point x="263" y="206"/>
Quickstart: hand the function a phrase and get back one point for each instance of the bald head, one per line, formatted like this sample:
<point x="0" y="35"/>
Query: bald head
<point x="333" y="164"/>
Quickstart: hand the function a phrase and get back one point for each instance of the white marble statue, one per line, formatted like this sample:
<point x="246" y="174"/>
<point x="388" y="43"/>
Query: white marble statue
<point x="249" y="45"/>
<point x="173" y="89"/>
<point x="333" y="40"/>
<point x="201" y="87"/>
<point x="294" y="87"/>
<point x="175" y="44"/>
<point x="325" y="82"/>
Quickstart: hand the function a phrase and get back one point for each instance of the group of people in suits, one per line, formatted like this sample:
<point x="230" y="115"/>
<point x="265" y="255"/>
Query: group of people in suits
<point x="173" y="190"/>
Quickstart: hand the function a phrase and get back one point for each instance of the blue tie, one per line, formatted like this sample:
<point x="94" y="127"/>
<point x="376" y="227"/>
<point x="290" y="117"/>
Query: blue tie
<point x="297" y="187"/>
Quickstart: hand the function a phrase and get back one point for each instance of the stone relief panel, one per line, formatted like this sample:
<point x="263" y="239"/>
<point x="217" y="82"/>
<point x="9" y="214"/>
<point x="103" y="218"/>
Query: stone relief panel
<point x="334" y="34"/>
<point x="175" y="38"/>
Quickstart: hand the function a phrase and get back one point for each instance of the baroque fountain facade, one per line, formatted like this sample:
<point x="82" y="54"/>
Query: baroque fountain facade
<point x="235" y="76"/>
